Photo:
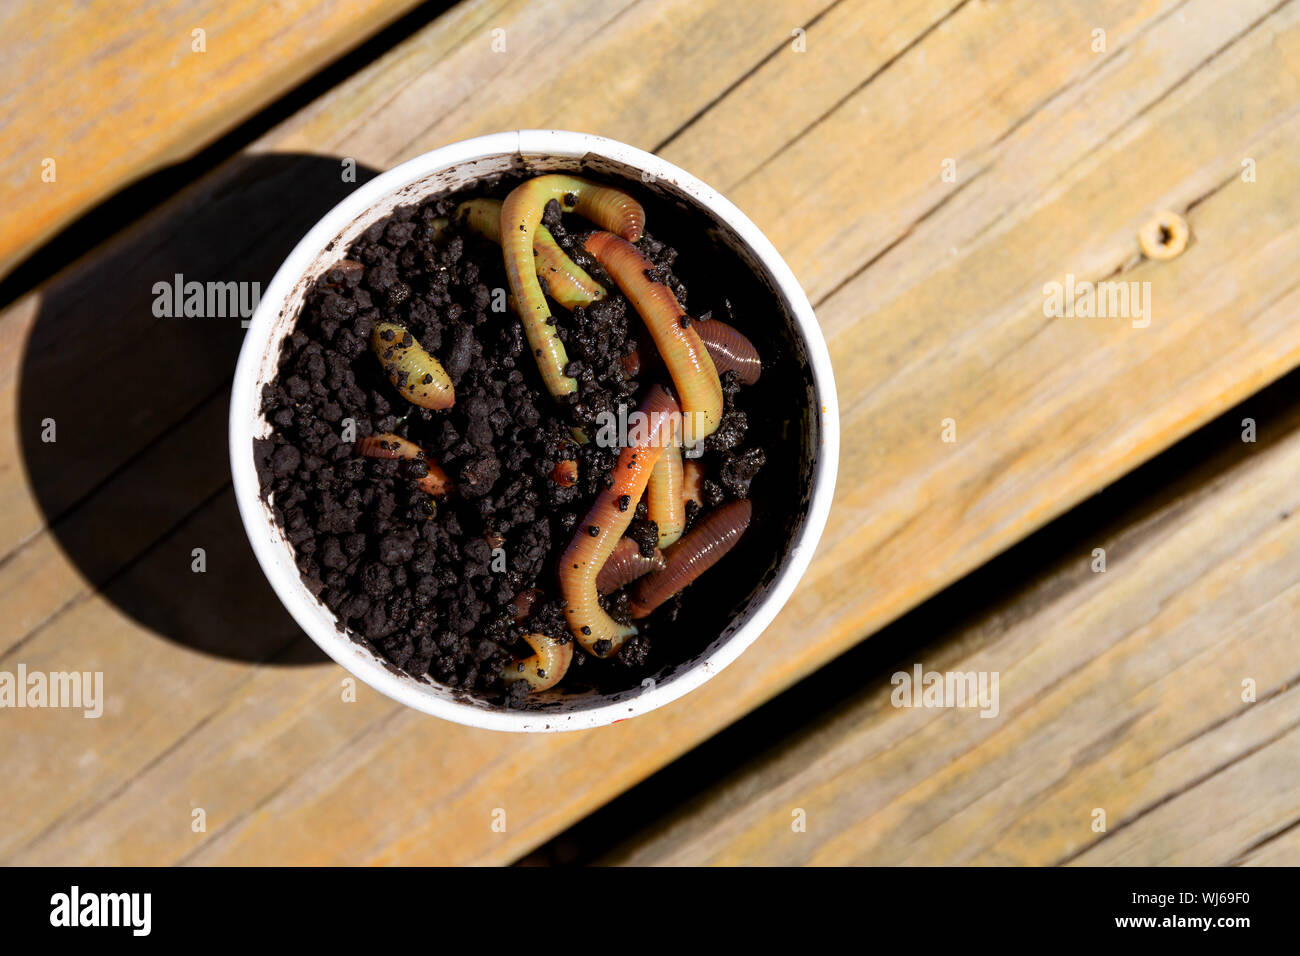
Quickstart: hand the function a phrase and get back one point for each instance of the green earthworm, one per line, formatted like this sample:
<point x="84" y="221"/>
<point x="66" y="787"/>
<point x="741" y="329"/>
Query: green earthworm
<point x="566" y="281"/>
<point x="416" y="374"/>
<point x="521" y="214"/>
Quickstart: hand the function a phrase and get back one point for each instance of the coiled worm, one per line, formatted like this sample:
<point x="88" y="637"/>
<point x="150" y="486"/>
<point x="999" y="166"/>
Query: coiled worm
<point x="625" y="565"/>
<point x="417" y="375"/>
<point x="692" y="371"/>
<point x="521" y="214"/>
<point x="600" y="531"/>
<point x="667" y="509"/>
<point x="713" y="535"/>
<point x="434" y="481"/>
<point x="566" y="281"/>
<point x="543" y="668"/>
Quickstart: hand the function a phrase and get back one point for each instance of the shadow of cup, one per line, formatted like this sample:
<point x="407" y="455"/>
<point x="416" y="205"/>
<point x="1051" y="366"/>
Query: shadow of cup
<point x="124" y="390"/>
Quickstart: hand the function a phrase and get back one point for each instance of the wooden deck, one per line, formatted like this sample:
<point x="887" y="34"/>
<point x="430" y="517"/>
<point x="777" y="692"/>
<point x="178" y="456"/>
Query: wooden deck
<point x="1121" y="690"/>
<point x="926" y="167"/>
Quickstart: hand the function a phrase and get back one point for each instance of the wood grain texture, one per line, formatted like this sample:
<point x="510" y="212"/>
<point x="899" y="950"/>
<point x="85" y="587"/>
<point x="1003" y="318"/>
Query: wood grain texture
<point x="1123" y="692"/>
<point x="931" y="294"/>
<point x="111" y="94"/>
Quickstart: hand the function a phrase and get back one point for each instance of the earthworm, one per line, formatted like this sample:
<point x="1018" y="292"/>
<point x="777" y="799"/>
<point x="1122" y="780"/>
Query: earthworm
<point x="693" y="483"/>
<point x="566" y="281"/>
<point x="600" y="531"/>
<point x="521" y="214"/>
<point x="692" y="371"/>
<point x="625" y="565"/>
<point x="664" y="499"/>
<point x="699" y="549"/>
<point x="414" y="372"/>
<point x="434" y="482"/>
<point x="565" y="473"/>
<point x="522" y="604"/>
<point x="730" y="350"/>
<point x="543" y="668"/>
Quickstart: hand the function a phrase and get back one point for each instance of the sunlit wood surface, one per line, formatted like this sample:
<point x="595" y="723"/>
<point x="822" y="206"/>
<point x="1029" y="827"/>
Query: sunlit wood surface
<point x="926" y="167"/>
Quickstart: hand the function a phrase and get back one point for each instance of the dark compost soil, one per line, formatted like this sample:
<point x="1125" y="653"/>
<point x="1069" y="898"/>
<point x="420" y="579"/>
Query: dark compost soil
<point x="430" y="588"/>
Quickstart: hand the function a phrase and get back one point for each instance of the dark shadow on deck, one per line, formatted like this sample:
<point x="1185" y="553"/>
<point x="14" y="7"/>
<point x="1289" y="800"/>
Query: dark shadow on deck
<point x="139" y="477"/>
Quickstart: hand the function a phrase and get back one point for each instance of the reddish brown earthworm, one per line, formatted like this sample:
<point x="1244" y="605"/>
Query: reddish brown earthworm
<point x="521" y="214"/>
<point x="565" y="473"/>
<point x="667" y="508"/>
<point x="692" y="371"/>
<point x="434" y="482"/>
<point x="625" y="565"/>
<point x="417" y="375"/>
<point x="599" y="532"/>
<point x="566" y="281"/>
<point x="712" y="536"/>
<point x="543" y="668"/>
<point x="522" y="604"/>
<point x="730" y="350"/>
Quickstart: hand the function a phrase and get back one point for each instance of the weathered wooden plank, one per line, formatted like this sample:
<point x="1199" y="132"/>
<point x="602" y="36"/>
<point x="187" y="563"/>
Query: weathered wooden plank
<point x="172" y="476"/>
<point x="160" y="690"/>
<point x="110" y="95"/>
<point x="634" y="71"/>
<point x="262" y="203"/>
<point x="1120" y="692"/>
<point x="1044" y="409"/>
<point x="186" y="458"/>
<point x="1280" y="850"/>
<point x="820" y="609"/>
